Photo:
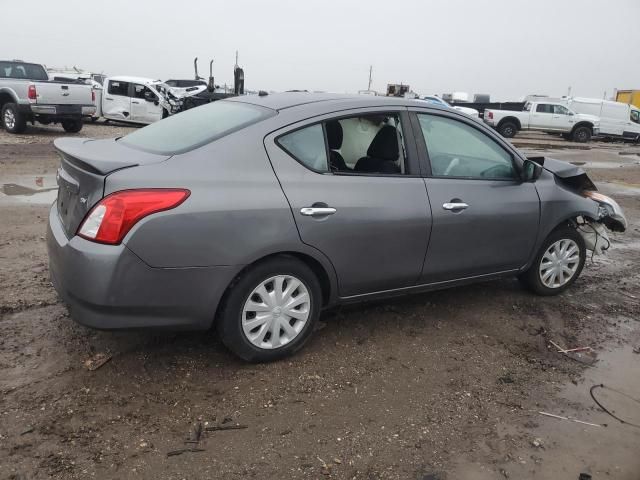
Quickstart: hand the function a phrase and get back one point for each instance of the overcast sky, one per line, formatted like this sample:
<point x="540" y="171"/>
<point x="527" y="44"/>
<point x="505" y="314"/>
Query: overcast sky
<point x="508" y="48"/>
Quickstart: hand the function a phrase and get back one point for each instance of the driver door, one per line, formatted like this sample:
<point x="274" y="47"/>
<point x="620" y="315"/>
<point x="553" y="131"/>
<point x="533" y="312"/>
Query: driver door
<point x="143" y="105"/>
<point x="485" y="219"/>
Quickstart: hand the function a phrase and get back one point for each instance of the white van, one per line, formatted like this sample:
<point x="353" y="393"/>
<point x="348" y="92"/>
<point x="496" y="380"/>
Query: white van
<point x="617" y="120"/>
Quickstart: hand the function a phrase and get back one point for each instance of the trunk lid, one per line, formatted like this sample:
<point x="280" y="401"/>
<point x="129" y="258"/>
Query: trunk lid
<point x="63" y="93"/>
<point x="84" y="165"/>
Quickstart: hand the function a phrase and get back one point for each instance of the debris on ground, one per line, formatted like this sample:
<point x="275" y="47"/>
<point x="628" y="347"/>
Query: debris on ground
<point x="537" y="442"/>
<point x="217" y="428"/>
<point x="97" y="361"/>
<point x="636" y="349"/>
<point x="560" y="417"/>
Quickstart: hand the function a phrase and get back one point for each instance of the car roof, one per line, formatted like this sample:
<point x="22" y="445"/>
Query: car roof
<point x="281" y="101"/>
<point x="125" y="78"/>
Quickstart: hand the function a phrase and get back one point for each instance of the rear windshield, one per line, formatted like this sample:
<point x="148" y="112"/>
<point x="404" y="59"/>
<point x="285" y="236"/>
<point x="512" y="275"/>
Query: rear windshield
<point x="195" y="127"/>
<point x="27" y="71"/>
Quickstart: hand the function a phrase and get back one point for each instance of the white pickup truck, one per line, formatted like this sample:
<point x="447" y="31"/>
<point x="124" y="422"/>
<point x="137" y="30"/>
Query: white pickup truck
<point x="28" y="95"/>
<point x="551" y="117"/>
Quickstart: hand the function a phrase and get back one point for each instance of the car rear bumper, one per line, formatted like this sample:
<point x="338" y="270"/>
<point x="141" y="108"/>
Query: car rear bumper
<point x="109" y="287"/>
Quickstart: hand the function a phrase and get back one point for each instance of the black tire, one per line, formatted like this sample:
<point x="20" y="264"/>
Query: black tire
<point x="18" y="119"/>
<point x="581" y="134"/>
<point x="531" y="278"/>
<point x="229" y="321"/>
<point x="508" y="129"/>
<point x="72" y="126"/>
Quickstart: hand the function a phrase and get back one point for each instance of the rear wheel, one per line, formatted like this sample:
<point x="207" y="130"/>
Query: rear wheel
<point x="271" y="310"/>
<point x="72" y="126"/>
<point x="13" y="120"/>
<point x="508" y="129"/>
<point x="581" y="134"/>
<point x="558" y="263"/>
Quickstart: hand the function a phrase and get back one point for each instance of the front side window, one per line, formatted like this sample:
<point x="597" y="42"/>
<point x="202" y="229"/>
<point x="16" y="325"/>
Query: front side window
<point x="560" y="110"/>
<point x="544" y="108"/>
<point x="458" y="150"/>
<point x="119" y="88"/>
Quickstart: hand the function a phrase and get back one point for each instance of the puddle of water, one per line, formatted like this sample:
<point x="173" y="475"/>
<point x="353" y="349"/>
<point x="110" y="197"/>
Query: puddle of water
<point x="32" y="189"/>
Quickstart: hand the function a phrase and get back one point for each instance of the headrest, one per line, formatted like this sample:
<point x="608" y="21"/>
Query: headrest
<point x="334" y="134"/>
<point x="385" y="144"/>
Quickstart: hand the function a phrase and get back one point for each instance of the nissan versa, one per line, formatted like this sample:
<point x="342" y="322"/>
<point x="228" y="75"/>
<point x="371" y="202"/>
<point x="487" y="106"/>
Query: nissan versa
<point x="257" y="212"/>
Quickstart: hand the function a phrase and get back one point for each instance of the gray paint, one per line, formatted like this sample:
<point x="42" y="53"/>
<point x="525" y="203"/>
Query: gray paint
<point x="390" y="234"/>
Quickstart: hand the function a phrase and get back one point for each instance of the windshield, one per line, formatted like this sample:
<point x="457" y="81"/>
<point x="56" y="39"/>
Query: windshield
<point x="26" y="71"/>
<point x="196" y="127"/>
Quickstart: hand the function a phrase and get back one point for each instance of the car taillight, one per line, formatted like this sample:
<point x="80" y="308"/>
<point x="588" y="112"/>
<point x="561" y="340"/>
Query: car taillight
<point x="490" y="115"/>
<point x="93" y="95"/>
<point x="32" y="94"/>
<point x="113" y="216"/>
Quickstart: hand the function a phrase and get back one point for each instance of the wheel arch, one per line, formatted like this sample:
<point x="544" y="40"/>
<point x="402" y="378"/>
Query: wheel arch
<point x="583" y="123"/>
<point x="514" y="120"/>
<point x="321" y="268"/>
<point x="7" y="96"/>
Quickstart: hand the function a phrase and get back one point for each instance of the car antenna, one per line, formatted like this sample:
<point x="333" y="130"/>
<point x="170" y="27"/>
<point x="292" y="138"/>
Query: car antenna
<point x="211" y="87"/>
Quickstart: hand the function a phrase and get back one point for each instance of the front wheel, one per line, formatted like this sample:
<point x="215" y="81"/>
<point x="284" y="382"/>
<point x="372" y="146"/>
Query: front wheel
<point x="581" y="134"/>
<point x="558" y="263"/>
<point x="271" y="310"/>
<point x="72" y="126"/>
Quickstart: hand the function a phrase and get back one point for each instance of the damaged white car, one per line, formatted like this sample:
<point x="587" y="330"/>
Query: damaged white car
<point x="143" y="100"/>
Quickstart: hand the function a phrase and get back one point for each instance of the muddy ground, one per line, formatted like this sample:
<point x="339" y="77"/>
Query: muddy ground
<point x="445" y="385"/>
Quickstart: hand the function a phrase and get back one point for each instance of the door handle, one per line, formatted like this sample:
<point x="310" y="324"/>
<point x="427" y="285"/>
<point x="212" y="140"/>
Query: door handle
<point x="455" y="206"/>
<point x="110" y="99"/>
<point x="317" y="211"/>
<point x="137" y="103"/>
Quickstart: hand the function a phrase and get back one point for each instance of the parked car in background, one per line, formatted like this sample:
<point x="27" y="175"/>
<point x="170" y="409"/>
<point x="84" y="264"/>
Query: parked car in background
<point x="546" y="116"/>
<point x="259" y="211"/>
<point x="472" y="112"/>
<point x="617" y="120"/>
<point x="143" y="100"/>
<point x="27" y="94"/>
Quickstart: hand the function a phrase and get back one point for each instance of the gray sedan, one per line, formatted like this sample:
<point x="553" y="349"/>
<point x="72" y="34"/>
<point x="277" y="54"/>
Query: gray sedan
<point x="255" y="213"/>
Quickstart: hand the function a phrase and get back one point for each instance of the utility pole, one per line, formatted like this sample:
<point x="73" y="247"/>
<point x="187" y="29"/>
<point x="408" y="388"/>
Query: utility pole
<point x="370" y="70"/>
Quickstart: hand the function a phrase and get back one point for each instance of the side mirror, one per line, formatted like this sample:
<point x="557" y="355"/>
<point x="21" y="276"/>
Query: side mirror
<point x="531" y="171"/>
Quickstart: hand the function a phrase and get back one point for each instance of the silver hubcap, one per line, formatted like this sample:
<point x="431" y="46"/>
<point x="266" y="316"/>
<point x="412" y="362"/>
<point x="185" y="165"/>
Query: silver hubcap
<point x="276" y="312"/>
<point x="559" y="263"/>
<point x="9" y="119"/>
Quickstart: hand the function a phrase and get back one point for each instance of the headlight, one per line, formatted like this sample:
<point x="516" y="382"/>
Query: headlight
<point x="608" y="208"/>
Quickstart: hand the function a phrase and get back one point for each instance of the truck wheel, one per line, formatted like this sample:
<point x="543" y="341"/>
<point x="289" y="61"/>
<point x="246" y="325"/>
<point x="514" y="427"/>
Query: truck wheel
<point x="13" y="120"/>
<point x="508" y="129"/>
<point x="581" y="134"/>
<point x="72" y="126"/>
<point x="558" y="263"/>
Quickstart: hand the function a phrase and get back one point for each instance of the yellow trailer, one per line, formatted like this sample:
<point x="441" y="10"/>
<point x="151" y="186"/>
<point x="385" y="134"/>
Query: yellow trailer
<point x="632" y="97"/>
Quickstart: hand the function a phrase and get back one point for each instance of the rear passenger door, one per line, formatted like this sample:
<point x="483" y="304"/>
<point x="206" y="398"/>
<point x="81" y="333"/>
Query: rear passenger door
<point x="356" y="195"/>
<point x="116" y="102"/>
<point x="541" y="117"/>
<point x="485" y="219"/>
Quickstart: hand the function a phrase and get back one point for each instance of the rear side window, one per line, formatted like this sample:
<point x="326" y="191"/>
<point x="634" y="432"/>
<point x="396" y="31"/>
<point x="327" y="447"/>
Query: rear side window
<point x="307" y="146"/>
<point x="196" y="127"/>
<point x="119" y="88"/>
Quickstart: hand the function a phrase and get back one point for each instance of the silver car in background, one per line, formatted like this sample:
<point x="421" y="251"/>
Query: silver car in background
<point x="255" y="213"/>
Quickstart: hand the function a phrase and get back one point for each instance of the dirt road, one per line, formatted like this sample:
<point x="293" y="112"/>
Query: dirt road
<point x="441" y="385"/>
